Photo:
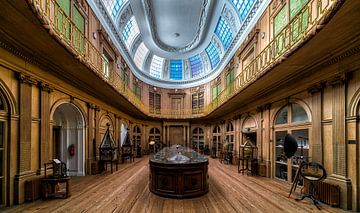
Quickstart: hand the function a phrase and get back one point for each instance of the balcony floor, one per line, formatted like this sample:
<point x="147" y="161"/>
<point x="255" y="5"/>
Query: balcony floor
<point x="126" y="190"/>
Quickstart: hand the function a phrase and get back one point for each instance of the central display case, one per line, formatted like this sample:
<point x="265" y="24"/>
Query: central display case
<point x="178" y="172"/>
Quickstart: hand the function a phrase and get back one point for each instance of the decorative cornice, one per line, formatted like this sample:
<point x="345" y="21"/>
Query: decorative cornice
<point x="204" y="10"/>
<point x="26" y="79"/>
<point x="45" y="87"/>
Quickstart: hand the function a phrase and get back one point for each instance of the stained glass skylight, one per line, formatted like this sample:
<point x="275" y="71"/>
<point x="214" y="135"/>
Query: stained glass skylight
<point x="213" y="55"/>
<point x="156" y="66"/>
<point x="196" y="66"/>
<point x="175" y="69"/>
<point x="140" y="55"/>
<point x="130" y="31"/>
<point x="114" y="6"/>
<point x="223" y="31"/>
<point x="243" y="7"/>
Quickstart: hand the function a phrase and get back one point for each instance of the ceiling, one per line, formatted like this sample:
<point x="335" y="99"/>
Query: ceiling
<point x="178" y="44"/>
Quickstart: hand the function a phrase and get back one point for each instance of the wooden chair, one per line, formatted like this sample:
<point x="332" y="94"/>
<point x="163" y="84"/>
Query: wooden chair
<point x="51" y="183"/>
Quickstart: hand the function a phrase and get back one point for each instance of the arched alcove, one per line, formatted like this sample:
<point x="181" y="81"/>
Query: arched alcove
<point x="69" y="129"/>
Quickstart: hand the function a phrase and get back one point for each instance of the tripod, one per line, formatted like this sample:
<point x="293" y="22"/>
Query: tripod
<point x="312" y="172"/>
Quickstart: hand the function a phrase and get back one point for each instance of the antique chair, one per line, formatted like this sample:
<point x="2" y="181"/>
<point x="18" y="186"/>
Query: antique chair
<point x="54" y="176"/>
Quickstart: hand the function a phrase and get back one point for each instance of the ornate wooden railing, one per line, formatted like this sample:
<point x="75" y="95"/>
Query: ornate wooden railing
<point x="286" y="41"/>
<point x="62" y="27"/>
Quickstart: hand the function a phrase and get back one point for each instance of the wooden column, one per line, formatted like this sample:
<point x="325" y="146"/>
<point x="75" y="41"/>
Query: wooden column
<point x="45" y="129"/>
<point x="267" y="142"/>
<point x="96" y="130"/>
<point x="164" y="134"/>
<point x="316" y="137"/>
<point x="167" y="135"/>
<point x="340" y="174"/>
<point x="339" y="157"/>
<point x="184" y="135"/>
<point x="91" y="136"/>
<point x="188" y="136"/>
<point x="25" y="109"/>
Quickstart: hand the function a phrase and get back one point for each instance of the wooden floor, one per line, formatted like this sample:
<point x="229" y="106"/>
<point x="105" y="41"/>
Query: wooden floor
<point x="127" y="191"/>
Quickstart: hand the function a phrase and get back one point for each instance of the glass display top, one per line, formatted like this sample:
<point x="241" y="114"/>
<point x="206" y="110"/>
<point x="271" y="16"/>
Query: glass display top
<point x="177" y="154"/>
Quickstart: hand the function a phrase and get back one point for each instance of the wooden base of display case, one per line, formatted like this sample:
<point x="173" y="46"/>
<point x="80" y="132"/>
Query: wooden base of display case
<point x="179" y="180"/>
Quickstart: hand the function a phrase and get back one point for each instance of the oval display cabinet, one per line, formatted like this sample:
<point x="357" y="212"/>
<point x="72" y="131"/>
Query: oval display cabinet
<point x="178" y="172"/>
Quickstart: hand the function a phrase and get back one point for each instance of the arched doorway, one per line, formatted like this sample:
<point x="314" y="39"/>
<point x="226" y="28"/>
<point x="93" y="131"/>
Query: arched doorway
<point x="69" y="130"/>
<point x="124" y="132"/>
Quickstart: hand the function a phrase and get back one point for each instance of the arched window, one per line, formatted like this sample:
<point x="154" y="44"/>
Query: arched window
<point x="198" y="139"/>
<point x="154" y="134"/>
<point x="291" y="119"/>
<point x="216" y="145"/>
<point x="230" y="139"/>
<point x="154" y="140"/>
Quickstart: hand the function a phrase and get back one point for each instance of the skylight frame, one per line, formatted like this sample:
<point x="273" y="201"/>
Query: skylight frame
<point x="156" y="67"/>
<point x="224" y="32"/>
<point x="213" y="55"/>
<point x="130" y="32"/>
<point x="196" y="65"/>
<point x="243" y="7"/>
<point x="140" y="55"/>
<point x="176" y="69"/>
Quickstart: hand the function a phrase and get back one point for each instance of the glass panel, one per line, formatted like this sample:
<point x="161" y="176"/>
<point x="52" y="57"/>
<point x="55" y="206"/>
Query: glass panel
<point x="282" y="116"/>
<point x="302" y="153"/>
<point x="130" y="32"/>
<point x="63" y="17"/>
<point x="140" y="55"/>
<point x="243" y="7"/>
<point x="196" y="66"/>
<point x="223" y="31"/>
<point x="298" y="113"/>
<point x="156" y="66"/>
<point x="78" y="33"/>
<point x="281" y="165"/>
<point x="201" y="131"/>
<point x="213" y="55"/>
<point x="117" y="7"/>
<point x="176" y="69"/>
<point x="296" y="6"/>
<point x="280" y="20"/>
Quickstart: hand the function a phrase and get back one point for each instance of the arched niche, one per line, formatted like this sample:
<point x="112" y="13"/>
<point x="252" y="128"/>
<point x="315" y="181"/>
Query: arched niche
<point x="69" y="129"/>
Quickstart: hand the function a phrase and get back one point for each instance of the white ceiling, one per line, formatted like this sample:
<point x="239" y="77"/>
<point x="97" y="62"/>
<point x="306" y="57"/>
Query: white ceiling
<point x="177" y="29"/>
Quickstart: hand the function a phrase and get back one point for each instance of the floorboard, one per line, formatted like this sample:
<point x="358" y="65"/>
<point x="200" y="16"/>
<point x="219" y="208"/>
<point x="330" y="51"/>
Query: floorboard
<point x="126" y="190"/>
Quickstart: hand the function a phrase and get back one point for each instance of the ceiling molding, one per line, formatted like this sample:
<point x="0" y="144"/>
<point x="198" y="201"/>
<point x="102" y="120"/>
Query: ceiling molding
<point x="154" y="33"/>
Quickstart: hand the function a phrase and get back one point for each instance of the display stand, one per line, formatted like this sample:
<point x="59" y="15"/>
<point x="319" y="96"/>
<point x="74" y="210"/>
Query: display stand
<point x="248" y="154"/>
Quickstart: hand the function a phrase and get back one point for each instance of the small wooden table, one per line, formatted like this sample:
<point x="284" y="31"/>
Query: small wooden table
<point x="49" y="190"/>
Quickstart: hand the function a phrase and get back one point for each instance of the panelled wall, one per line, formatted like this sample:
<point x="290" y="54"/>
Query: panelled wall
<point x="43" y="115"/>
